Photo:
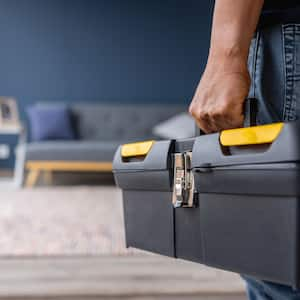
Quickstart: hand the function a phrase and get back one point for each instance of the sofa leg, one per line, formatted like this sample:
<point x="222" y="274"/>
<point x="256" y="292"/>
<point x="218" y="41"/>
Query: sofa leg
<point x="32" y="178"/>
<point x="48" y="177"/>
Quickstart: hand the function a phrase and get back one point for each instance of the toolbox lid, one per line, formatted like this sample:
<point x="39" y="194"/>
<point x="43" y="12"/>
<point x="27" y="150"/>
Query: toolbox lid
<point x="143" y="156"/>
<point x="265" y="144"/>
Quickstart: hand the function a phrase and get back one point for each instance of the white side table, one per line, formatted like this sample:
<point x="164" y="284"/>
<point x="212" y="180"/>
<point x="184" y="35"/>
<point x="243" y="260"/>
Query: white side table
<point x="18" y="174"/>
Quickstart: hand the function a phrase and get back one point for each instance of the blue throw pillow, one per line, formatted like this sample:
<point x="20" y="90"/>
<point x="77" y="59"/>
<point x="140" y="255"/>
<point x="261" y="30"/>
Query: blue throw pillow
<point x="50" y="123"/>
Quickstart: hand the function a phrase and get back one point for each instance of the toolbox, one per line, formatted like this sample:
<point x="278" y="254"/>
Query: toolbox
<point x="228" y="200"/>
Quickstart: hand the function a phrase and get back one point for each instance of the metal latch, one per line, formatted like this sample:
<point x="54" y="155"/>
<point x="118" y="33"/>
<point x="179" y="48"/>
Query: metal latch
<point x="183" y="187"/>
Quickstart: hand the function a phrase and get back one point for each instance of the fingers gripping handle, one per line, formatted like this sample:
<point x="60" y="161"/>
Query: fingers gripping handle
<point x="250" y="115"/>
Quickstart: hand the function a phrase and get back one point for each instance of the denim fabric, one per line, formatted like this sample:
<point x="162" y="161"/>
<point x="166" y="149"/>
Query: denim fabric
<point x="274" y="65"/>
<point x="259" y="290"/>
<point x="291" y="38"/>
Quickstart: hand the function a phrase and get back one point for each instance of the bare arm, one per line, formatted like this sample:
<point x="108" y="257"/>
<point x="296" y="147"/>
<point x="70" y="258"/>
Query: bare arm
<point x="219" y="98"/>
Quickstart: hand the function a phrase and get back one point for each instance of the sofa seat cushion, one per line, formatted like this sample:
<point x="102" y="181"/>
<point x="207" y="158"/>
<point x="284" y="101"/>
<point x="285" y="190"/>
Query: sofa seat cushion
<point x="71" y="151"/>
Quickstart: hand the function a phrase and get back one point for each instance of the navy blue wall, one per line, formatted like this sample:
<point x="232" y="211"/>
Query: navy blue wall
<point x="102" y="50"/>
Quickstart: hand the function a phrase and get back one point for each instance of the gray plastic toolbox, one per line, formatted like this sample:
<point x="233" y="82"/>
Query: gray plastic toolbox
<point x="228" y="200"/>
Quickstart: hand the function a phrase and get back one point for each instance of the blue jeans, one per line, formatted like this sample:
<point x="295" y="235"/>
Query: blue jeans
<point x="274" y="65"/>
<point x="259" y="290"/>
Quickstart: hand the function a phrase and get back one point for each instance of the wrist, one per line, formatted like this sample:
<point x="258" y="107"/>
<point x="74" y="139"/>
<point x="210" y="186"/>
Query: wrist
<point x="228" y="60"/>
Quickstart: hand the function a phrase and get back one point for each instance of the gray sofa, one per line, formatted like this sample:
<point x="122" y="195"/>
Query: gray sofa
<point x="101" y="129"/>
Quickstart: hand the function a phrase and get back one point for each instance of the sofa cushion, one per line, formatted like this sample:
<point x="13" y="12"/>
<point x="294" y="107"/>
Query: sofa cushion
<point x="181" y="126"/>
<point x="50" y="123"/>
<point x="72" y="151"/>
<point x="111" y="122"/>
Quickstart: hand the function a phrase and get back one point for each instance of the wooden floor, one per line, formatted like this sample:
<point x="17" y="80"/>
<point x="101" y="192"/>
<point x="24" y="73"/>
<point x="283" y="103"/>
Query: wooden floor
<point x="114" y="277"/>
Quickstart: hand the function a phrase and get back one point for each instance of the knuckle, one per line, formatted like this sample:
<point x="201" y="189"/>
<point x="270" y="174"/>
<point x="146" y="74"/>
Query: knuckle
<point x="204" y="114"/>
<point x="214" y="114"/>
<point x="217" y="114"/>
<point x="225" y="113"/>
<point x="222" y="110"/>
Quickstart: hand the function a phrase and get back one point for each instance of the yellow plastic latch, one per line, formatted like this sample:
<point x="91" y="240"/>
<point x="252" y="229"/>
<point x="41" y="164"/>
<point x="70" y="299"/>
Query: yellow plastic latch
<point x="251" y="135"/>
<point x="136" y="149"/>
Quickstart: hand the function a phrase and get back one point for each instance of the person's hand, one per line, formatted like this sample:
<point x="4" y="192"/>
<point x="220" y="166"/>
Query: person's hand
<point x="219" y="99"/>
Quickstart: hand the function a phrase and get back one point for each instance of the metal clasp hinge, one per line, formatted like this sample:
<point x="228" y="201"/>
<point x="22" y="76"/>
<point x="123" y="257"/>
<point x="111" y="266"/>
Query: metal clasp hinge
<point x="183" y="187"/>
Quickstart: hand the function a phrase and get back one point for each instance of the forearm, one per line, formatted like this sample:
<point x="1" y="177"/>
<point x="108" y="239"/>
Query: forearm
<point x="219" y="99"/>
<point x="234" y="24"/>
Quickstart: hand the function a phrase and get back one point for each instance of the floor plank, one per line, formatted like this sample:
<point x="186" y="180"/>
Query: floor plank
<point x="114" y="277"/>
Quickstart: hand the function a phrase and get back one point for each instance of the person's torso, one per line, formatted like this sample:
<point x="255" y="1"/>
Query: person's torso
<point x="273" y="5"/>
<point x="280" y="11"/>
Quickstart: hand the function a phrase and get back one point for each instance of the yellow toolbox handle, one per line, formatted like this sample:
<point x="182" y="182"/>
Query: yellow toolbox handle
<point x="136" y="149"/>
<point x="263" y="134"/>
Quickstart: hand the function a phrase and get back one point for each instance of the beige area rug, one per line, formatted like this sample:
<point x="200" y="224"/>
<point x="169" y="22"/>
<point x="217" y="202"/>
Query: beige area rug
<point x="61" y="221"/>
<point x="74" y="221"/>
